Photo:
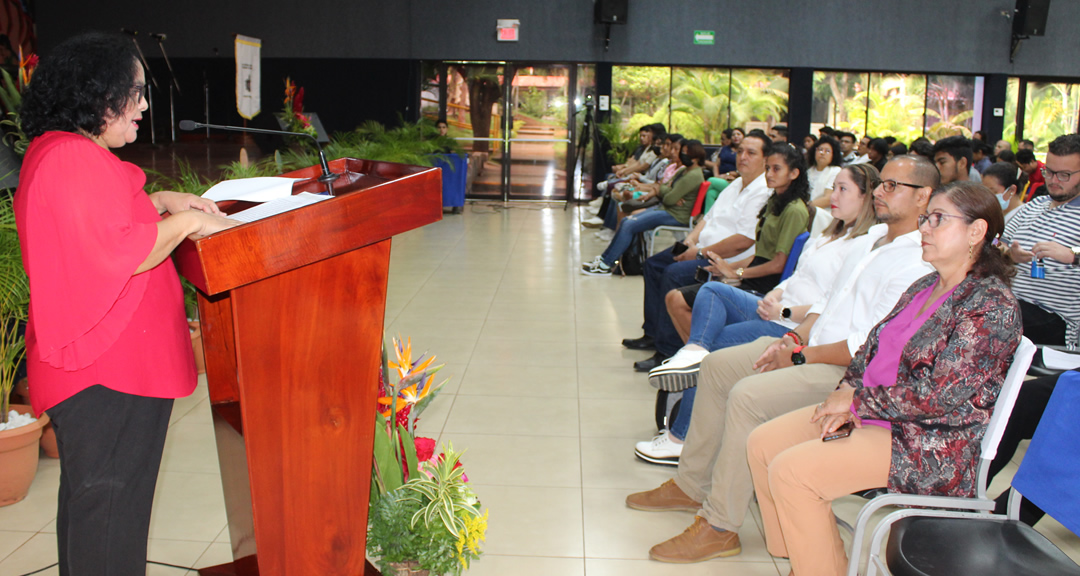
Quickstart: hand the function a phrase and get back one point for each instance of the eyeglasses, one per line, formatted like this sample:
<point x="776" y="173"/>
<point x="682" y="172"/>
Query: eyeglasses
<point x="1061" y="176"/>
<point x="138" y="92"/>
<point x="824" y="151"/>
<point x="935" y="218"/>
<point x="889" y="186"/>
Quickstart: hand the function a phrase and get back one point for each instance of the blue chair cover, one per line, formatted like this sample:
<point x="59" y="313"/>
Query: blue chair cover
<point x="455" y="170"/>
<point x="793" y="258"/>
<point x="1049" y="475"/>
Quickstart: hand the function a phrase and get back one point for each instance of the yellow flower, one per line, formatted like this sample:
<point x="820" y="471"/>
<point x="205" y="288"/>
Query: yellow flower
<point x="471" y="537"/>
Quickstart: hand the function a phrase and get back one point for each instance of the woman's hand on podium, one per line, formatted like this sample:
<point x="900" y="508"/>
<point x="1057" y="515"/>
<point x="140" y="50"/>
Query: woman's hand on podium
<point x="177" y="202"/>
<point x="211" y="223"/>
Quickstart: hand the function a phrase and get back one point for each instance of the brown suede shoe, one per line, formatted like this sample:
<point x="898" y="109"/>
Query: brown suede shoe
<point x="698" y="543"/>
<point x="667" y="497"/>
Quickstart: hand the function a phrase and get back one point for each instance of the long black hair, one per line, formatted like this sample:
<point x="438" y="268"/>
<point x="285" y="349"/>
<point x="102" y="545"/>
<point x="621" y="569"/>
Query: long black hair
<point x="799" y="189"/>
<point x="81" y="84"/>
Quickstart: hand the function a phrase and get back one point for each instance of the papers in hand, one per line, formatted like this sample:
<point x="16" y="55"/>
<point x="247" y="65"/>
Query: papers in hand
<point x="274" y="207"/>
<point x="252" y="189"/>
<point x="1059" y="360"/>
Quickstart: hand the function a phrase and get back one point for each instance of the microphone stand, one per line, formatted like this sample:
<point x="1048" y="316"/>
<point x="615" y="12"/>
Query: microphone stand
<point x="174" y="84"/>
<point x="327" y="176"/>
<point x="153" y="81"/>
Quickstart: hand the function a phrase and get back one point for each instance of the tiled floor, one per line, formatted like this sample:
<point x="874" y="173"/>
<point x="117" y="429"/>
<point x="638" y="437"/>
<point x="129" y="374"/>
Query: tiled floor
<point x="541" y="395"/>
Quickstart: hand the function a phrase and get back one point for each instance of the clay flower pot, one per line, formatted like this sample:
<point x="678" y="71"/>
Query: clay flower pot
<point x="19" y="457"/>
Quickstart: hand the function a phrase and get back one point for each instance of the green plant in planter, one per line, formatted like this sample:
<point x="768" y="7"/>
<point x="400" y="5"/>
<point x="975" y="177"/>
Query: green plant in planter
<point x="14" y="304"/>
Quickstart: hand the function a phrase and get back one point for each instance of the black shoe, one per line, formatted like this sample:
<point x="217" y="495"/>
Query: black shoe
<point x="649" y="363"/>
<point x="644" y="343"/>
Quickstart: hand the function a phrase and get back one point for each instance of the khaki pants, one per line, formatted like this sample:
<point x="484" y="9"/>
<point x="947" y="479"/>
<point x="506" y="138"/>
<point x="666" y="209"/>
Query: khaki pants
<point x="731" y="401"/>
<point x="797" y="476"/>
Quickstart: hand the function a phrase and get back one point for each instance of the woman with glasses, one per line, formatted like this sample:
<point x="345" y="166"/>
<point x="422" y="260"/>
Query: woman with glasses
<point x="825" y="162"/>
<point x="107" y="342"/>
<point x="917" y="397"/>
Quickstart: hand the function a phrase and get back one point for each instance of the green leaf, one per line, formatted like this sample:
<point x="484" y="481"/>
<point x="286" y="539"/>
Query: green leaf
<point x="410" y="453"/>
<point x="384" y="456"/>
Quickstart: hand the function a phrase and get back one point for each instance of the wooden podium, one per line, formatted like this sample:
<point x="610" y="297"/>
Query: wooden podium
<point x="292" y="319"/>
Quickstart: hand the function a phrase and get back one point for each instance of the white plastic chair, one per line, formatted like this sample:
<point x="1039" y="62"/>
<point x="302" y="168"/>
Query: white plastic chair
<point x="980" y="504"/>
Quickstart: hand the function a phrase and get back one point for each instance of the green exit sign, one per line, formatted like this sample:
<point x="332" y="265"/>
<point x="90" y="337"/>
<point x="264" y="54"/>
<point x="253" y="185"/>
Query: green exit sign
<point x="704" y="37"/>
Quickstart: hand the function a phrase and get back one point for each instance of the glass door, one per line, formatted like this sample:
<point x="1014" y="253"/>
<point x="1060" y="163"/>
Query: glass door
<point x="539" y="140"/>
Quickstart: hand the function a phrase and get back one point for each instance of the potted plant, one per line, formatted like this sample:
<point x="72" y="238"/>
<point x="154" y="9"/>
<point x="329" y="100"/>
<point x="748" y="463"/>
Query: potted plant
<point x="20" y="432"/>
<point x="424" y="517"/>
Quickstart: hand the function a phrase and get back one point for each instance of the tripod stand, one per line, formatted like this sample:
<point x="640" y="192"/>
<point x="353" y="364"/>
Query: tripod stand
<point x="174" y="85"/>
<point x="588" y="135"/>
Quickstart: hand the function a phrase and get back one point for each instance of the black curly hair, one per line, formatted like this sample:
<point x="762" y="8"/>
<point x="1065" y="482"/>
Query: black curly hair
<point x="799" y="189"/>
<point x="81" y="84"/>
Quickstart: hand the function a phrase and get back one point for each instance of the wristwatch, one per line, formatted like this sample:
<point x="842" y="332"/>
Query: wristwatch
<point x="699" y="255"/>
<point x="797" y="357"/>
<point x="1076" y="257"/>
<point x="785" y="313"/>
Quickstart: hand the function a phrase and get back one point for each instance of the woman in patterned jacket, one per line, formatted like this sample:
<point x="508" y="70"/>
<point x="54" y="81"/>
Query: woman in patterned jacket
<point x="919" y="393"/>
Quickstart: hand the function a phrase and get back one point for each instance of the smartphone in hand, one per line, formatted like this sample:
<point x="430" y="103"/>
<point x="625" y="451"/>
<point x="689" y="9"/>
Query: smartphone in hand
<point x="679" y="248"/>
<point x="702" y="275"/>
<point x="841" y="432"/>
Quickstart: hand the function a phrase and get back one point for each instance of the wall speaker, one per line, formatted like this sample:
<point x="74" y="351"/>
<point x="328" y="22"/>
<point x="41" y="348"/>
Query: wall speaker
<point x="1030" y="17"/>
<point x="614" y="11"/>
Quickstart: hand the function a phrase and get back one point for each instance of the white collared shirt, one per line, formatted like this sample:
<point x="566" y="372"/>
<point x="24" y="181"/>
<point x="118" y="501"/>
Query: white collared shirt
<point x="867" y="287"/>
<point x="735" y="211"/>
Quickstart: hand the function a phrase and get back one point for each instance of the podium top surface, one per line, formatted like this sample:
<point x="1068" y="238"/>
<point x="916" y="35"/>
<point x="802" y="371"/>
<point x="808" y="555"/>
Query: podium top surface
<point x="372" y="202"/>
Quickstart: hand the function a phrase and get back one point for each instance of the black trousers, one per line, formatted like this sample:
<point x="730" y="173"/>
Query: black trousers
<point x="110" y="452"/>
<point x="1030" y="405"/>
<point x="1041" y="326"/>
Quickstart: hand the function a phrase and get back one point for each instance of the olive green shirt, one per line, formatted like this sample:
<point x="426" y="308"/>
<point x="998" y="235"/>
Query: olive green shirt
<point x="777" y="233"/>
<point x="684" y="186"/>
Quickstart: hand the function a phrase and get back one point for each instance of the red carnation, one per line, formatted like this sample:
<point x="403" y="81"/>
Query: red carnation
<point x="425" y="449"/>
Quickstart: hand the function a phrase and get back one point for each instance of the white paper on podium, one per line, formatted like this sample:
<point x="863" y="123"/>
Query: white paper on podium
<point x="275" y="207"/>
<point x="262" y="189"/>
<point x="1058" y="360"/>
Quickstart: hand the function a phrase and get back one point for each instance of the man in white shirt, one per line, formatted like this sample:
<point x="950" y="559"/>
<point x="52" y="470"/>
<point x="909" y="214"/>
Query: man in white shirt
<point x="847" y="147"/>
<point x="728" y="229"/>
<point x="863" y="151"/>
<point x="744" y="386"/>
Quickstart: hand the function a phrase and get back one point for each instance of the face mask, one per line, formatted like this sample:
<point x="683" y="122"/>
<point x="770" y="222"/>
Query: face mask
<point x="1001" y="200"/>
<point x="685" y="159"/>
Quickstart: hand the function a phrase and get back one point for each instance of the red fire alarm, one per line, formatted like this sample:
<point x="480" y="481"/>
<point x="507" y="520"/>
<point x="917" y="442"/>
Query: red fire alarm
<point x="507" y="30"/>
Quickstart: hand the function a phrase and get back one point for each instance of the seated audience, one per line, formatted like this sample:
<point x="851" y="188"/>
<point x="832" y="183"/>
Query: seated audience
<point x="676" y="203"/>
<point x="1000" y="178"/>
<point x="649" y="138"/>
<point x="723" y="161"/>
<point x="727" y="230"/>
<point x="877" y="153"/>
<point x="1047" y="230"/>
<point x="743" y="386"/>
<point x="864" y="151"/>
<point x="952" y="156"/>
<point x="978" y="135"/>
<point x="825" y="165"/>
<point x="847" y="147"/>
<point x="1033" y="171"/>
<point x="922" y="147"/>
<point x="898" y="149"/>
<point x="778" y="133"/>
<point x="808" y="143"/>
<point x="919" y="394"/>
<point x="1025" y="145"/>
<point x="1002" y="146"/>
<point x="980" y="155"/>
<point x="725" y="316"/>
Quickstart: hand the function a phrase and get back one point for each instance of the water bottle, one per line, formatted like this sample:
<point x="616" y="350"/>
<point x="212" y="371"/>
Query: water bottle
<point x="1038" y="270"/>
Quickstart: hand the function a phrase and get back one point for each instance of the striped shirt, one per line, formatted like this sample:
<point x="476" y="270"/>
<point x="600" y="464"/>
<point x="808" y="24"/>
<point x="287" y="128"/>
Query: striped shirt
<point x="1059" y="292"/>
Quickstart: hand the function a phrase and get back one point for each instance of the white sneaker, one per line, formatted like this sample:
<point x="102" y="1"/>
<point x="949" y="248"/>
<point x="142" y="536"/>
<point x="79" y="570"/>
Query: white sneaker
<point x="596" y="202"/>
<point x="594" y="211"/>
<point x="593" y="222"/>
<point x="606" y="234"/>
<point x="596" y="268"/>
<point x="660" y="450"/>
<point x="678" y="372"/>
<point x="602" y="186"/>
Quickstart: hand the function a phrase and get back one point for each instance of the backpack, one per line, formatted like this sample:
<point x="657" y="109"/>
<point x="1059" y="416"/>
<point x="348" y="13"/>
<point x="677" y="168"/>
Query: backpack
<point x="632" y="261"/>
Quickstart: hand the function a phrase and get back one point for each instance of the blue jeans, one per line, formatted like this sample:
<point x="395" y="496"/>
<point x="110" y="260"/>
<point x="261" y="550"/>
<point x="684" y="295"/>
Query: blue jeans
<point x="633" y="225"/>
<point x="727" y="316"/>
<point x="662" y="275"/>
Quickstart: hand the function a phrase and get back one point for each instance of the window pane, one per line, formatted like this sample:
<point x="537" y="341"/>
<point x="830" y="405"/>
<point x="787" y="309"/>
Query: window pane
<point x="429" y="90"/>
<point x="950" y="106"/>
<point x="1012" y="97"/>
<point x="699" y="102"/>
<point x="640" y="96"/>
<point x="839" y="101"/>
<point x="897" y="103"/>
<point x="1050" y="111"/>
<point x="759" y="98"/>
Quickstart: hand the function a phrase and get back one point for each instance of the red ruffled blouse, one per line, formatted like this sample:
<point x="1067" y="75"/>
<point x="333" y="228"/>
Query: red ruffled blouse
<point x="85" y="225"/>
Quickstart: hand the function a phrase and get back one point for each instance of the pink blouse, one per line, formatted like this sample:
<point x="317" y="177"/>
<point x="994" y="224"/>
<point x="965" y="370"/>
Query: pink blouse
<point x="85" y="225"/>
<point x="882" y="369"/>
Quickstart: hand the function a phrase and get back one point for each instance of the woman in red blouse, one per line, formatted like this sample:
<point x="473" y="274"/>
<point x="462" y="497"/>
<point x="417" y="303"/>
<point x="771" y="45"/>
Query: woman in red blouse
<point x="919" y="392"/>
<point x="107" y="342"/>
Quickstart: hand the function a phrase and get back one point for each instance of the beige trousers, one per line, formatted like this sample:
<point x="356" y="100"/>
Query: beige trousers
<point x="731" y="401"/>
<point x="797" y="476"/>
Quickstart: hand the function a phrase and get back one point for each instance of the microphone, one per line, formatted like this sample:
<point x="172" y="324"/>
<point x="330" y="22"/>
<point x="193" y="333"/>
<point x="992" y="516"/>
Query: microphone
<point x="327" y="175"/>
<point x="158" y="37"/>
<point x="129" y="32"/>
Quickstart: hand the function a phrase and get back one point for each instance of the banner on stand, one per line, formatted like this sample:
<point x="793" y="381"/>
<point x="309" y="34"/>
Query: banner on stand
<point x="247" y="76"/>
